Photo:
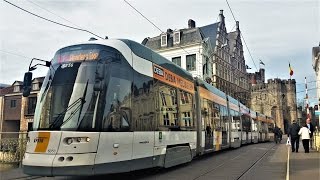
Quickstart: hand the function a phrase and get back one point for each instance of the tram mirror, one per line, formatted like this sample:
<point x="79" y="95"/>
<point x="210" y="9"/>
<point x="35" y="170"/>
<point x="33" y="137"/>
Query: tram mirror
<point x="27" y="80"/>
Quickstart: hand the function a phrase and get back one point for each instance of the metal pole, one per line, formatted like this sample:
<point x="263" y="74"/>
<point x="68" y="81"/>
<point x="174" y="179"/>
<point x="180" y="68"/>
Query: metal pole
<point x="307" y="100"/>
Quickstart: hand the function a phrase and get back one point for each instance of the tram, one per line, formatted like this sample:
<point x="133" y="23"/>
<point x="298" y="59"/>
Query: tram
<point x="111" y="106"/>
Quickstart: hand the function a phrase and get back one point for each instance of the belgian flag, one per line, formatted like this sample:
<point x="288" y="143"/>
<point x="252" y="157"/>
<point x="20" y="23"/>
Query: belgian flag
<point x="290" y="70"/>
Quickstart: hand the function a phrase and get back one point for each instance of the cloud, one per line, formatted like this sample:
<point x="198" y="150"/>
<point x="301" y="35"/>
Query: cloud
<point x="275" y="31"/>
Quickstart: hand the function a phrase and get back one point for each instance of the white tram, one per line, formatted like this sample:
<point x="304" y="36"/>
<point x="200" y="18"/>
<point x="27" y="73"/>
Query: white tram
<point x="110" y="106"/>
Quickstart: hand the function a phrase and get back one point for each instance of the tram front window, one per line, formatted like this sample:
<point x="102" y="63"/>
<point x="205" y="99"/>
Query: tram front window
<point x="67" y="100"/>
<point x="85" y="85"/>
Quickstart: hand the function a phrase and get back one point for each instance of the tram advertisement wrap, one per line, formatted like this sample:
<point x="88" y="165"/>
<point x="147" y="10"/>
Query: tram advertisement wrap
<point x="172" y="79"/>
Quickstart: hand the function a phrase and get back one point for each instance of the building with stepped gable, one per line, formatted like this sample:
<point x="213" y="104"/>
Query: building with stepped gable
<point x="208" y="52"/>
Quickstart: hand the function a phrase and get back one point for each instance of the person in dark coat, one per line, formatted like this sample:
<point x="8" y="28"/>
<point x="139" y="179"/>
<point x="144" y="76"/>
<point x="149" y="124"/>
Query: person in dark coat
<point x="310" y="126"/>
<point x="277" y="134"/>
<point x="294" y="136"/>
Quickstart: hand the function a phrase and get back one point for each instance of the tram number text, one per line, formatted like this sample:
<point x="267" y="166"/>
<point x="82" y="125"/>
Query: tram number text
<point x="51" y="151"/>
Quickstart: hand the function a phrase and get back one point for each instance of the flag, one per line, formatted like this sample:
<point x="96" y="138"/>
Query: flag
<point x="290" y="70"/>
<point x="261" y="62"/>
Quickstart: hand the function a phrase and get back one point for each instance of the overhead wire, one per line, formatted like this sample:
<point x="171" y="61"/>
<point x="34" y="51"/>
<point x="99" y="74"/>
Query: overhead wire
<point x="242" y="36"/>
<point x="151" y="22"/>
<point x="46" y="19"/>
<point x="16" y="54"/>
<point x="45" y="9"/>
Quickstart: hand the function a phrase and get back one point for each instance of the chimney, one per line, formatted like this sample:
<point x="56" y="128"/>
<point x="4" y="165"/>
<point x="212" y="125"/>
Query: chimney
<point x="221" y="15"/>
<point x="237" y="25"/>
<point x="191" y="23"/>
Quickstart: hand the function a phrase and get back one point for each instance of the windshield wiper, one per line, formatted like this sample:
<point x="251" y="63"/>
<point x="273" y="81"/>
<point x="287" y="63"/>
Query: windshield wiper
<point x="57" y="123"/>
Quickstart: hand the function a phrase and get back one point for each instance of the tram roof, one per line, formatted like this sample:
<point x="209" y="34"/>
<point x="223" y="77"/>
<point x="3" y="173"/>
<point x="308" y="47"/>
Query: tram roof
<point x="212" y="89"/>
<point x="143" y="52"/>
<point x="148" y="54"/>
<point x="233" y="100"/>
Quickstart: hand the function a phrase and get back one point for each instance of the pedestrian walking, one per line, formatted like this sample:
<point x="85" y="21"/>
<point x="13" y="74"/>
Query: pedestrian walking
<point x="277" y="134"/>
<point x="294" y="136"/>
<point x="305" y="136"/>
<point x="310" y="126"/>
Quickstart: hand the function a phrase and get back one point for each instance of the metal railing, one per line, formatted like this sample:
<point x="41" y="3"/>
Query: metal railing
<point x="12" y="147"/>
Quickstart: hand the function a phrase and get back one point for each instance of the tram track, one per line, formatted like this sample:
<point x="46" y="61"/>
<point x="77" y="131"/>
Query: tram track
<point x="236" y="157"/>
<point x="255" y="163"/>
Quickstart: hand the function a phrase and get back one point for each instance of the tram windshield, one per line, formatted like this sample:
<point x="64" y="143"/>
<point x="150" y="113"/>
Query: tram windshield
<point x="74" y="91"/>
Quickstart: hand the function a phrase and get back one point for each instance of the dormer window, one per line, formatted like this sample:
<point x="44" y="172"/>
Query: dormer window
<point x="164" y="40"/>
<point x="176" y="37"/>
<point x="35" y="86"/>
<point x="16" y="89"/>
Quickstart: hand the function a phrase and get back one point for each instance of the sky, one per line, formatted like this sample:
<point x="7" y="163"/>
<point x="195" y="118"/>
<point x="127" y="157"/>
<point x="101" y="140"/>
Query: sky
<point x="277" y="32"/>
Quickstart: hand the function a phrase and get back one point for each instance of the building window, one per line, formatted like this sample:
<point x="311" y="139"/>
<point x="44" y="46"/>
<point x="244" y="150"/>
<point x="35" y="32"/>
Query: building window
<point x="187" y="119"/>
<point x="16" y="89"/>
<point x="166" y="121"/>
<point x="13" y="103"/>
<point x="163" y="99"/>
<point x="176" y="37"/>
<point x="32" y="101"/>
<point x="163" y="40"/>
<point x="191" y="62"/>
<point x="184" y="97"/>
<point x="177" y="60"/>
<point x="35" y="86"/>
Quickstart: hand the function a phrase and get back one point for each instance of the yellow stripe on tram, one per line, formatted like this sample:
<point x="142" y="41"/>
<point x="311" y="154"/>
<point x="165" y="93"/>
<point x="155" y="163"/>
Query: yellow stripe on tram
<point x="42" y="142"/>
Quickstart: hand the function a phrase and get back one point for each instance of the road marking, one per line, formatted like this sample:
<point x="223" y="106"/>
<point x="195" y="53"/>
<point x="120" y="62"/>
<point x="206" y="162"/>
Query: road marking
<point x="288" y="164"/>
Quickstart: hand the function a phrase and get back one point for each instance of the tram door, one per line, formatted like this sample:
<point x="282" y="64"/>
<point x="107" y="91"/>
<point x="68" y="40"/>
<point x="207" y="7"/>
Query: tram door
<point x="225" y="126"/>
<point x="208" y="124"/>
<point x="208" y="132"/>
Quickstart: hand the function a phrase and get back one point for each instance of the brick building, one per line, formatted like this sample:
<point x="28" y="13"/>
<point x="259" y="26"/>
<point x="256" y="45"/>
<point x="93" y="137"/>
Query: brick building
<point x="16" y="111"/>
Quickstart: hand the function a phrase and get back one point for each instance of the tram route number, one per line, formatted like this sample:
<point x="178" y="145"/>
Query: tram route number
<point x="66" y="65"/>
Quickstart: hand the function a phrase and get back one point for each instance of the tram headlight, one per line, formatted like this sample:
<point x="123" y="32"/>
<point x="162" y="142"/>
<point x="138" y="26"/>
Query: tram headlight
<point x="69" y="141"/>
<point x="79" y="139"/>
<point x="87" y="139"/>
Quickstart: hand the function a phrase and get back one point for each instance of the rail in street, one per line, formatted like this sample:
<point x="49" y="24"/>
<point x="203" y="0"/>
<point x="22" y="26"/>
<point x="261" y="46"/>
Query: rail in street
<point x="255" y="161"/>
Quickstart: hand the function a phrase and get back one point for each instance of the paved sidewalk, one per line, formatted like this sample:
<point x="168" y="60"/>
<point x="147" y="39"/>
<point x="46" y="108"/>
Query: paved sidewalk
<point x="304" y="166"/>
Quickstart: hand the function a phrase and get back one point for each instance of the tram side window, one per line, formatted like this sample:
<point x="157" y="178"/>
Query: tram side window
<point x="224" y="114"/>
<point x="208" y="115"/>
<point x="143" y="103"/>
<point x="246" y="125"/>
<point x="168" y="111"/>
<point x="264" y="127"/>
<point x="117" y="110"/>
<point x="217" y="116"/>
<point x="205" y="114"/>
<point x="186" y="110"/>
<point x="235" y="120"/>
<point x="254" y="125"/>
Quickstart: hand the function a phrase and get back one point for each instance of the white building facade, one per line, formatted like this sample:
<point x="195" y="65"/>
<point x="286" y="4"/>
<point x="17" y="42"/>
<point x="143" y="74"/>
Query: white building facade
<point x="316" y="64"/>
<point x="209" y="53"/>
